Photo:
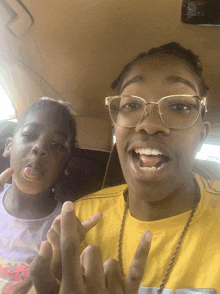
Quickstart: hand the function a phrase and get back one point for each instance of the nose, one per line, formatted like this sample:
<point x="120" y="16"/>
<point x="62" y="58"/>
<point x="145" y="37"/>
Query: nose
<point x="40" y="148"/>
<point x="151" y="122"/>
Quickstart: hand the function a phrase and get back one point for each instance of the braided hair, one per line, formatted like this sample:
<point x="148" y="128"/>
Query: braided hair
<point x="172" y="49"/>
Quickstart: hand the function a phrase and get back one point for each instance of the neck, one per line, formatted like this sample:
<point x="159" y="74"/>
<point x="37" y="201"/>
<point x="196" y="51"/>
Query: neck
<point x="29" y="206"/>
<point x="177" y="201"/>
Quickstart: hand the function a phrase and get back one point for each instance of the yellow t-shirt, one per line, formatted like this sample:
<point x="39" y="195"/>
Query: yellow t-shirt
<point x="197" y="265"/>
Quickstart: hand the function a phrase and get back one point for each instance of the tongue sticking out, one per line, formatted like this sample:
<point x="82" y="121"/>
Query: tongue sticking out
<point x="151" y="160"/>
<point x="31" y="172"/>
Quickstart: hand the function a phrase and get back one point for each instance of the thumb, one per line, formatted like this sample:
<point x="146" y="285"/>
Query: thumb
<point x="40" y="271"/>
<point x="4" y="177"/>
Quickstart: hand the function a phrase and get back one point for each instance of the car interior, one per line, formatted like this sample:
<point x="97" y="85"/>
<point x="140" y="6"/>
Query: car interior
<point x="73" y="50"/>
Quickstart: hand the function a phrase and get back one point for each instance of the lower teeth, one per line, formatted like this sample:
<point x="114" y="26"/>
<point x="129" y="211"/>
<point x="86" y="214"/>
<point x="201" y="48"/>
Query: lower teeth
<point x="152" y="168"/>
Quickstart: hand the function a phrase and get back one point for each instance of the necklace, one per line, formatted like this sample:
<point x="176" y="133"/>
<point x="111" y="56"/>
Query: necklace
<point x="170" y="267"/>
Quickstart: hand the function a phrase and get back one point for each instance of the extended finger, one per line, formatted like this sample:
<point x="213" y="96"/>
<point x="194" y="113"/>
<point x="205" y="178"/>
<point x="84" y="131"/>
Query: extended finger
<point x="5" y="176"/>
<point x="137" y="267"/>
<point x="56" y="264"/>
<point x="92" y="221"/>
<point x="70" y="250"/>
<point x="113" y="277"/>
<point x="40" y="273"/>
<point x="56" y="225"/>
<point x="54" y="239"/>
<point x="91" y="260"/>
<point x="85" y="226"/>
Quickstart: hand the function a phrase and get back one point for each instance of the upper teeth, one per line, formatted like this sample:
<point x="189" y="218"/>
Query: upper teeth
<point x="148" y="151"/>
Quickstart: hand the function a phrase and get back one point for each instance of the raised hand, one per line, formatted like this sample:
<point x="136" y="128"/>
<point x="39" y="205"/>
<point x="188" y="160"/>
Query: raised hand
<point x="82" y="228"/>
<point x="4" y="177"/>
<point x="86" y="273"/>
<point x="54" y="234"/>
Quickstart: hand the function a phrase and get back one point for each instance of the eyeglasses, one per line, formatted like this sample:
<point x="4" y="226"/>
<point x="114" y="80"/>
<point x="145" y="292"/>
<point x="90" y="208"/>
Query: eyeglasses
<point x="175" y="111"/>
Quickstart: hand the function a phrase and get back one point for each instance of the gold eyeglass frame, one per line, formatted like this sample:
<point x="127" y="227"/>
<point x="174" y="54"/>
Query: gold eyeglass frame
<point x="202" y="103"/>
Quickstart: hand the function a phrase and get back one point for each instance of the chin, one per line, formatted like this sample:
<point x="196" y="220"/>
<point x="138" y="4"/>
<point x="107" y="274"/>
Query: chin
<point x="30" y="187"/>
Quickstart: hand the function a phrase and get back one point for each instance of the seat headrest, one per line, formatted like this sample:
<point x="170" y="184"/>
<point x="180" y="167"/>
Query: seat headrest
<point x="85" y="177"/>
<point x="113" y="174"/>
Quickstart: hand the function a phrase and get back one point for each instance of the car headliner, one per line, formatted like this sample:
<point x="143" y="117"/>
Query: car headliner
<point x="74" y="49"/>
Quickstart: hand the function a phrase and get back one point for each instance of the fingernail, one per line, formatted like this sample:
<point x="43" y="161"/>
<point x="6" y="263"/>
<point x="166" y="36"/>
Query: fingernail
<point x="67" y="206"/>
<point x="148" y="236"/>
<point x="97" y="213"/>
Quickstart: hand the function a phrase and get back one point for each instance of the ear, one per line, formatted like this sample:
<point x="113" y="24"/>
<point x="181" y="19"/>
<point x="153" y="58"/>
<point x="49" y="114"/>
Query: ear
<point x="205" y="128"/>
<point x="69" y="166"/>
<point x="205" y="131"/>
<point x="8" y="145"/>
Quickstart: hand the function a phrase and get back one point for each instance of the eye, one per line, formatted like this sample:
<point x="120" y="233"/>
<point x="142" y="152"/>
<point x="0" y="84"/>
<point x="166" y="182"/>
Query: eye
<point x="130" y="106"/>
<point x="181" y="107"/>
<point x="57" y="145"/>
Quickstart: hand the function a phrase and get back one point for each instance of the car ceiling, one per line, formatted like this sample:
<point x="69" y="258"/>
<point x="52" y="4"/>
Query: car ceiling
<point x="73" y="50"/>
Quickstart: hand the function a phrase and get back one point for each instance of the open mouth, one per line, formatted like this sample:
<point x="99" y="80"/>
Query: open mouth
<point x="149" y="159"/>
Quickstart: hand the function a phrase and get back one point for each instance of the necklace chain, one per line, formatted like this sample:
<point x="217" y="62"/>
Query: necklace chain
<point x="170" y="267"/>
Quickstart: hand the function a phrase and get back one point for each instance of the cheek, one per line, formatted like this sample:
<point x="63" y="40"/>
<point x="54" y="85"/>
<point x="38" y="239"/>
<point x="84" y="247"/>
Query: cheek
<point x="18" y="155"/>
<point x="57" y="163"/>
<point x="121" y="135"/>
<point x="187" y="147"/>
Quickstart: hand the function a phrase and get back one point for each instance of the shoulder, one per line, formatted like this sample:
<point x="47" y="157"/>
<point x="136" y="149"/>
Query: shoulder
<point x="107" y="193"/>
<point x="210" y="196"/>
<point x="6" y="186"/>
<point x="102" y="201"/>
<point x="212" y="187"/>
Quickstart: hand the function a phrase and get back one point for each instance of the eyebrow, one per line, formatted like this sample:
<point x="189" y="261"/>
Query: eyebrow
<point x="178" y="79"/>
<point x="136" y="79"/>
<point x="38" y="126"/>
<point x="171" y="79"/>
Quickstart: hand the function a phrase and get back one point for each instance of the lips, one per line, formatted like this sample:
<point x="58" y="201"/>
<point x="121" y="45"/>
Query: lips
<point x="149" y="160"/>
<point x="33" y="170"/>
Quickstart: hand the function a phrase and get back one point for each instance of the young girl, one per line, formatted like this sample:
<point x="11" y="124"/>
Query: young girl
<point x="40" y="153"/>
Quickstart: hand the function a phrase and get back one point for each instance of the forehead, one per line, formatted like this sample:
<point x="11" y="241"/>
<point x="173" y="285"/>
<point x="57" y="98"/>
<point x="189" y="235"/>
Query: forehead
<point x="162" y="68"/>
<point x="50" y="119"/>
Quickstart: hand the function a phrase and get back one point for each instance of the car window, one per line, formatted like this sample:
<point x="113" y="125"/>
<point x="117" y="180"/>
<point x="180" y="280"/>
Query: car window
<point x="7" y="111"/>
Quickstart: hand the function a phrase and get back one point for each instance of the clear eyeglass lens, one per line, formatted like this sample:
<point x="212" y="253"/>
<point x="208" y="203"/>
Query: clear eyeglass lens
<point x="180" y="111"/>
<point x="127" y="111"/>
<point x="176" y="112"/>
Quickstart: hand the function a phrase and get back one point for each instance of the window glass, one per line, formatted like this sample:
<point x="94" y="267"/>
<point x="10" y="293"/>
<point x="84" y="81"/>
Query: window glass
<point x="209" y="152"/>
<point x="7" y="111"/>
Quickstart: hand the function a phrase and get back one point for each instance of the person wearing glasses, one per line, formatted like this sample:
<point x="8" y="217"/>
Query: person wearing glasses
<point x="159" y="126"/>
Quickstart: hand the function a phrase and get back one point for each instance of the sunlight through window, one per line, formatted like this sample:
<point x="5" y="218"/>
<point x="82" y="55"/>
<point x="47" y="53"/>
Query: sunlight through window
<point x="7" y="110"/>
<point x="209" y="152"/>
